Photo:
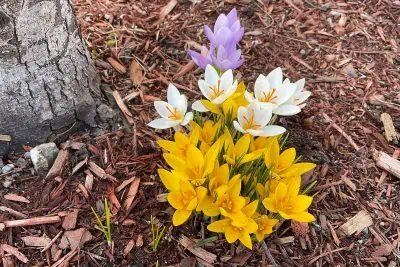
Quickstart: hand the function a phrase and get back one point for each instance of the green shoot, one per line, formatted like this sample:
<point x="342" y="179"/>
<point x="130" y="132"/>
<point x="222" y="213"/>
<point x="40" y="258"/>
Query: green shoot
<point x="105" y="229"/>
<point x="157" y="264"/>
<point x="157" y="232"/>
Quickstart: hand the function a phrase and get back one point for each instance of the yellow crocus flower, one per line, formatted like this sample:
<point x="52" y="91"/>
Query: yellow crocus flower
<point x="286" y="201"/>
<point x="234" y="231"/>
<point x="283" y="164"/>
<point x="183" y="196"/>
<point x="265" y="226"/>
<point x="194" y="165"/>
<point x="207" y="133"/>
<point x="181" y="144"/>
<point x="234" y="152"/>
<point x="232" y="104"/>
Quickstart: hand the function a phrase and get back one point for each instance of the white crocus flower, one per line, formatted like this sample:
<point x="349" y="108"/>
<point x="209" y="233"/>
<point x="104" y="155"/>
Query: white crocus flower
<point x="215" y="89"/>
<point x="299" y="95"/>
<point x="172" y="113"/>
<point x="272" y="93"/>
<point x="254" y="121"/>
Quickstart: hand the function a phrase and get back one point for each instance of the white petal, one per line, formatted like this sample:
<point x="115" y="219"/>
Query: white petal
<point x="299" y="85"/>
<point x="198" y="106"/>
<point x="183" y="103"/>
<point x="163" y="108"/>
<point x="275" y="78"/>
<point x="300" y="97"/>
<point x="262" y="117"/>
<point x="162" y="123"/>
<point x="287" y="110"/>
<point x="261" y="86"/>
<point x="267" y="106"/>
<point x="272" y="130"/>
<point x="286" y="81"/>
<point x="238" y="127"/>
<point x="173" y="96"/>
<point x="205" y="89"/>
<point x="187" y="119"/>
<point x="242" y="111"/>
<point x="255" y="132"/>
<point x="221" y="99"/>
<point x="249" y="97"/>
<point x="211" y="76"/>
<point x="228" y="93"/>
<point x="227" y="79"/>
<point x="284" y="93"/>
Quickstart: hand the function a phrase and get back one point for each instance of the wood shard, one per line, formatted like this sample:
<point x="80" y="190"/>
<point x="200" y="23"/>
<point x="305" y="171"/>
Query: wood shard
<point x="135" y="72"/>
<point x="390" y="131"/>
<point x="387" y="163"/>
<point x="58" y="165"/>
<point x="96" y="169"/>
<point x="133" y="189"/>
<point x="32" y="221"/>
<point x="357" y="223"/>
<point x="14" y="251"/>
<point x="198" y="252"/>
<point x="116" y="65"/>
<point x="129" y="247"/>
<point x="16" y="198"/>
<point x="70" y="220"/>
<point x="36" y="241"/>
<point x="120" y="102"/>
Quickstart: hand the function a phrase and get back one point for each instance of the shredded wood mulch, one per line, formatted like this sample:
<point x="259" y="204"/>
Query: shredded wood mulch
<point x="349" y="53"/>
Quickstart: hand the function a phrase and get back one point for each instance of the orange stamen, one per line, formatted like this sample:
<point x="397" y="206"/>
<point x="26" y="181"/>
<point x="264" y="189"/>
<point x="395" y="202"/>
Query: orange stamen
<point x="216" y="90"/>
<point x="270" y="96"/>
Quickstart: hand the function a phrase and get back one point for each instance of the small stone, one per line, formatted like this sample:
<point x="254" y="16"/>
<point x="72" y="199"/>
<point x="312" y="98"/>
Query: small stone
<point x="359" y="92"/>
<point x="43" y="157"/>
<point x="303" y="52"/>
<point x="376" y="99"/>
<point x="21" y="163"/>
<point x="27" y="155"/>
<point x="8" y="181"/>
<point x="330" y="58"/>
<point x="7" y="168"/>
<point x="350" y="71"/>
<point x="105" y="113"/>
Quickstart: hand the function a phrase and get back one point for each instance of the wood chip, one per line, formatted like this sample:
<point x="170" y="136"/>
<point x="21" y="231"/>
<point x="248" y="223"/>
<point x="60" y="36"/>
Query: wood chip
<point x="124" y="184"/>
<point x="333" y="233"/>
<point x="89" y="181"/>
<point x="70" y="220"/>
<point x="116" y="65"/>
<point x="198" y="252"/>
<point x="129" y="247"/>
<point x="357" y="223"/>
<point x="139" y="241"/>
<point x="96" y="169"/>
<point x="5" y="138"/>
<point x="79" y="166"/>
<point x="82" y="189"/>
<point x="75" y="239"/>
<point x="36" y="241"/>
<point x="32" y="221"/>
<point x="16" y="198"/>
<point x="390" y="131"/>
<point x="387" y="163"/>
<point x="13" y="212"/>
<point x="14" y="251"/>
<point x="383" y="250"/>
<point x="58" y="165"/>
<point x="120" y="102"/>
<point x="285" y="240"/>
<point x="133" y="189"/>
<point x="395" y="155"/>
<point x="185" y="69"/>
<point x="135" y="73"/>
<point x="302" y="62"/>
<point x="348" y="182"/>
<point x="167" y="9"/>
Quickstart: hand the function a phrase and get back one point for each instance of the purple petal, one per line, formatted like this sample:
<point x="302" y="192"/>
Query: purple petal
<point x="199" y="59"/>
<point x="222" y="21"/>
<point x="232" y="16"/>
<point x="223" y="35"/>
<point x="210" y="35"/>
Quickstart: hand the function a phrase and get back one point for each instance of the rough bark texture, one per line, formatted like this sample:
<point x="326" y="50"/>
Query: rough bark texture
<point x="47" y="78"/>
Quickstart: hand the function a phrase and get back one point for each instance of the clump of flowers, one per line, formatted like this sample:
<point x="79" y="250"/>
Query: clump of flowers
<point x="226" y="161"/>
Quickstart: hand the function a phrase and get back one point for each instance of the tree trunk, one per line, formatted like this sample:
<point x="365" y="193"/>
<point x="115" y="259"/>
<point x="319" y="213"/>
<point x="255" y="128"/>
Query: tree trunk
<point x="47" y="78"/>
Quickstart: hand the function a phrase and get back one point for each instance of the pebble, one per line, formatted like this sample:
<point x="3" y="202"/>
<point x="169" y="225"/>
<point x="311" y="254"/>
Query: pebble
<point x="43" y="157"/>
<point x="7" y="168"/>
<point x="376" y="99"/>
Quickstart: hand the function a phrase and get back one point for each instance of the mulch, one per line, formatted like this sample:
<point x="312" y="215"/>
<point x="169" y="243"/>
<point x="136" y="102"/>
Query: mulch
<point x="349" y="53"/>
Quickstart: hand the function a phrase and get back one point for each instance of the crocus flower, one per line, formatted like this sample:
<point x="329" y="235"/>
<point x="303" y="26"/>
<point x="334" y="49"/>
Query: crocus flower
<point x="215" y="88"/>
<point x="254" y="121"/>
<point x="265" y="226"/>
<point x="226" y="57"/>
<point x="227" y="30"/>
<point x="286" y="201"/>
<point x="272" y="93"/>
<point x="201" y="59"/>
<point x="172" y="113"/>
<point x="299" y="95"/>
<point x="181" y="142"/>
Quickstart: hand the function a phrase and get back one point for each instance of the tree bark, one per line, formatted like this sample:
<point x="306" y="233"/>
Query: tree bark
<point x="47" y="78"/>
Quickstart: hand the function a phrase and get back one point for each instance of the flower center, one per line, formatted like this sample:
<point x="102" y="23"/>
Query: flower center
<point x="269" y="97"/>
<point x="250" y="122"/>
<point x="227" y="203"/>
<point x="216" y="91"/>
<point x="187" y="197"/>
<point x="175" y="114"/>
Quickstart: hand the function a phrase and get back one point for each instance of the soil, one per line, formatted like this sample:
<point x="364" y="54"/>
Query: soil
<point x="348" y="51"/>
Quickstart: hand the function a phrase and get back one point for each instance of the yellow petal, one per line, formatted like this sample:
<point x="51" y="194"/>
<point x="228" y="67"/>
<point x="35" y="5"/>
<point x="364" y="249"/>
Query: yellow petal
<point x="211" y="157"/>
<point x="192" y="204"/>
<point x="259" y="236"/>
<point x="195" y="161"/>
<point x="251" y="208"/>
<point x="303" y="217"/>
<point x="211" y="210"/>
<point x="175" y="199"/>
<point x="180" y="216"/>
<point x="201" y="192"/>
<point x="170" y="181"/>
<point x="260" y="190"/>
<point x="245" y="239"/>
<point x="272" y="154"/>
<point x="218" y="226"/>
<point x="286" y="158"/>
<point x="194" y="135"/>
<point x="181" y="138"/>
<point x="251" y="226"/>
<point x="242" y="146"/>
<point x="300" y="203"/>
<point x="269" y="204"/>
<point x="211" y="107"/>
<point x="280" y="190"/>
<point x="234" y="185"/>
<point x="175" y="162"/>
<point x="293" y="185"/>
<point x="231" y="234"/>
<point x="298" y="169"/>
<point x="167" y="145"/>
<point x="239" y="219"/>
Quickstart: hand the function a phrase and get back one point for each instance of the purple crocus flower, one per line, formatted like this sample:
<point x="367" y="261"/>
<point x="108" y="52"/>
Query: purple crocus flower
<point x="226" y="57"/>
<point x="201" y="59"/>
<point x="226" y="30"/>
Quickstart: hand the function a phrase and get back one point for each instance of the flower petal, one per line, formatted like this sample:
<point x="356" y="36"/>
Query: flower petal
<point x="244" y="237"/>
<point x="238" y="127"/>
<point x="300" y="203"/>
<point x="211" y="75"/>
<point x="272" y="130"/>
<point x="250" y="208"/>
<point x="275" y="78"/>
<point x="261" y="87"/>
<point x="286" y="158"/>
<point x="169" y="180"/>
<point x="180" y="216"/>
<point x="163" y="108"/>
<point x="303" y="217"/>
<point x="231" y="235"/>
<point x="287" y="110"/>
<point x="175" y="199"/>
<point x="188" y="117"/>
<point x="205" y="88"/>
<point x="218" y="226"/>
<point x="249" y="97"/>
<point x="284" y="93"/>
<point x="198" y="106"/>
<point x="173" y="96"/>
<point x="269" y="204"/>
<point x="299" y="85"/>
<point x="162" y="123"/>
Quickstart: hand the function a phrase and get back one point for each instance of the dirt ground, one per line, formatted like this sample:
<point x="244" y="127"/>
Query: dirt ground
<point x="349" y="53"/>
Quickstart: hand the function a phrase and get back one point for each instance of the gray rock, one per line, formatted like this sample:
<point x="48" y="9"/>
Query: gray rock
<point x="21" y="163"/>
<point x="7" y="168"/>
<point x="8" y="181"/>
<point x="43" y="157"/>
<point x="105" y="113"/>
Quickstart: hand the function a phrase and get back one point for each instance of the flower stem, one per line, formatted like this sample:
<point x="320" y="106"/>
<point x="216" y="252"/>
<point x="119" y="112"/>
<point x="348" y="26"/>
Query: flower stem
<point x="269" y="255"/>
